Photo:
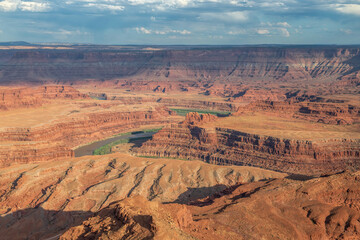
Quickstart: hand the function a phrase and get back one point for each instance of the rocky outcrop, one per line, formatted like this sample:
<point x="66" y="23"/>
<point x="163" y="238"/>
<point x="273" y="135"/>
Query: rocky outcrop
<point x="193" y="118"/>
<point x="26" y="152"/>
<point x="43" y="200"/>
<point x="324" y="112"/>
<point x="95" y="199"/>
<point x="12" y="98"/>
<point x="321" y="208"/>
<point x="55" y="140"/>
<point x="198" y="104"/>
<point x="59" y="92"/>
<point x="88" y="127"/>
<point x="117" y="221"/>
<point x="178" y="102"/>
<point x="252" y="95"/>
<point x="226" y="146"/>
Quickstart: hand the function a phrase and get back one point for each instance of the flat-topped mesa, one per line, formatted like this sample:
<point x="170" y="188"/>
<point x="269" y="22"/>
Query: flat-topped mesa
<point x="28" y="152"/>
<point x="60" y="92"/>
<point x="92" y="126"/>
<point x="329" y="113"/>
<point x="18" y="98"/>
<point x="177" y="102"/>
<point x="193" y="118"/>
<point x="12" y="98"/>
<point x="227" y="146"/>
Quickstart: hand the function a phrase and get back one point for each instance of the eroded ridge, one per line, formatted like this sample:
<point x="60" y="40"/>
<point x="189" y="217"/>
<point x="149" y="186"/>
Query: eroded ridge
<point x="196" y="138"/>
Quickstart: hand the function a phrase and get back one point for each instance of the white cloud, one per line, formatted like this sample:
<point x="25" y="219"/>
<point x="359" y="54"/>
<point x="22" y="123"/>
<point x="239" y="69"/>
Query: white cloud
<point x="163" y="32"/>
<point x="284" y="32"/>
<point x="143" y="30"/>
<point x="262" y="31"/>
<point x="347" y="31"/>
<point x="283" y="24"/>
<point x="104" y="6"/>
<point x="353" y="9"/>
<point x="278" y="24"/>
<point x="14" y="5"/>
<point x="237" y="16"/>
<point x="61" y="32"/>
<point x="34" y="6"/>
<point x="163" y="4"/>
<point x="237" y="32"/>
<point x="9" y="5"/>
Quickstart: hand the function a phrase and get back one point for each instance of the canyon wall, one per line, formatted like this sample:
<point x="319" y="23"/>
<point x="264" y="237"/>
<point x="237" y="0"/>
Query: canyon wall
<point x="178" y="102"/>
<point x="12" y="98"/>
<point x="281" y="63"/>
<point x="56" y="140"/>
<point x="27" y="152"/>
<point x="87" y="127"/>
<point x="227" y="146"/>
<point x="316" y="110"/>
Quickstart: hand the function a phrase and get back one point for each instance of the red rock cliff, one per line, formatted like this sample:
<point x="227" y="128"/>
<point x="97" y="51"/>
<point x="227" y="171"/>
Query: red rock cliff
<point x="226" y="146"/>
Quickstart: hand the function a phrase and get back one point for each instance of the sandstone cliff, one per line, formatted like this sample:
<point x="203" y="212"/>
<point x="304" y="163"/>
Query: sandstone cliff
<point x="227" y="146"/>
<point x="178" y="102"/>
<point x="11" y="98"/>
<point x="56" y="139"/>
<point x="26" y="152"/>
<point x="324" y="112"/>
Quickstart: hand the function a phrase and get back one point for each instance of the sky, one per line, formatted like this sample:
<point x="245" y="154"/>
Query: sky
<point x="158" y="22"/>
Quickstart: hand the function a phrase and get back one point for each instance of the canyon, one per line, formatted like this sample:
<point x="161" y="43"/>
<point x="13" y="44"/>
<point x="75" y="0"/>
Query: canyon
<point x="242" y="142"/>
<point x="196" y="139"/>
<point x="62" y="119"/>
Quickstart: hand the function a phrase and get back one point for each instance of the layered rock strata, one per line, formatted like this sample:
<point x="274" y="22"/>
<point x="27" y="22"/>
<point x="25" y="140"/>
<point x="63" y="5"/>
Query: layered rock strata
<point x="286" y="64"/>
<point x="329" y="113"/>
<point x="182" y="103"/>
<point x="282" y="208"/>
<point x="25" y="152"/>
<point x="12" y="98"/>
<point x="321" y="208"/>
<point x="75" y="131"/>
<point x="29" y="144"/>
<point x="227" y="146"/>
<point x="43" y="200"/>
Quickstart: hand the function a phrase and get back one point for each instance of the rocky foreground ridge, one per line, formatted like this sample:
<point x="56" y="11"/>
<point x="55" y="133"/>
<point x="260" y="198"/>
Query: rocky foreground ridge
<point x="190" y="140"/>
<point x="319" y="208"/>
<point x="43" y="200"/>
<point x="322" y="208"/>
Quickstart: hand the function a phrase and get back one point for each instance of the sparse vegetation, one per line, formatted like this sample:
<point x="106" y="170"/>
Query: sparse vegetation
<point x="154" y="130"/>
<point x="183" y="112"/>
<point x="106" y="149"/>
